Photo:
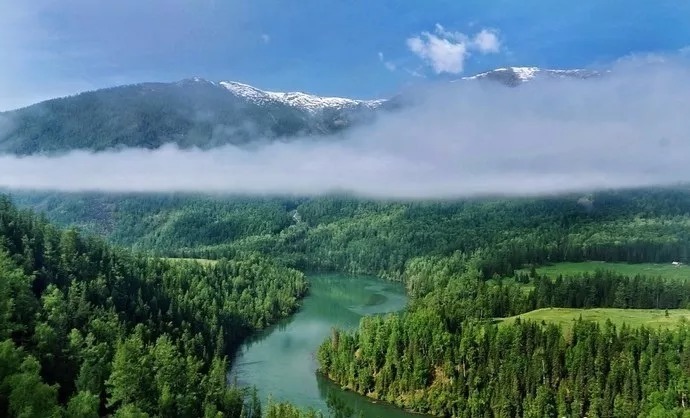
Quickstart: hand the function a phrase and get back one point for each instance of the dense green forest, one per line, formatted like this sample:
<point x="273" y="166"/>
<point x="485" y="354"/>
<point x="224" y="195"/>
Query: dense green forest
<point x="447" y="356"/>
<point x="463" y="264"/>
<point x="88" y="330"/>
<point x="376" y="237"/>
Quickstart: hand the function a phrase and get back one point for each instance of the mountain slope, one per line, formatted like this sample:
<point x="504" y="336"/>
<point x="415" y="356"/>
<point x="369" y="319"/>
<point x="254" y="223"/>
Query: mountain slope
<point x="188" y="113"/>
<point x="514" y="76"/>
<point x="201" y="113"/>
<point x="308" y="102"/>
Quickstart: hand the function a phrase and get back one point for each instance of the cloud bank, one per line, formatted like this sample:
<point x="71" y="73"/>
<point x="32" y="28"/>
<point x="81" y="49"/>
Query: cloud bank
<point x="446" y="51"/>
<point x="626" y="129"/>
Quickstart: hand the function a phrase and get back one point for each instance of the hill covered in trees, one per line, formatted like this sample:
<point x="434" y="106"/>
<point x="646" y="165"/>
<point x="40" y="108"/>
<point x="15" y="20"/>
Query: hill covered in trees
<point x="189" y="113"/>
<point x="446" y="356"/>
<point x="375" y="237"/>
<point x="89" y="330"/>
<point x="466" y="267"/>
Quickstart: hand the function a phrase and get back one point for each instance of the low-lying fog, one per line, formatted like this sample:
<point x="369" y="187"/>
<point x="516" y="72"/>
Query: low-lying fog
<point x="628" y="128"/>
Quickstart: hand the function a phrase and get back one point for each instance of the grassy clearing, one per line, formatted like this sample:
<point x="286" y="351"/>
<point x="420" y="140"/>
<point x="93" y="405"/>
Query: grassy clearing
<point x="666" y="271"/>
<point x="652" y="318"/>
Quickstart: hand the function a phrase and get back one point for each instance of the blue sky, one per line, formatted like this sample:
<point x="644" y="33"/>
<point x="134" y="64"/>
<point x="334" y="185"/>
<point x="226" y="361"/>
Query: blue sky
<point x="329" y="47"/>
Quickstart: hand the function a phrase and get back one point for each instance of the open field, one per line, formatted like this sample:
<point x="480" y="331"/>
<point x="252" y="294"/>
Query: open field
<point x="652" y="318"/>
<point x="667" y="271"/>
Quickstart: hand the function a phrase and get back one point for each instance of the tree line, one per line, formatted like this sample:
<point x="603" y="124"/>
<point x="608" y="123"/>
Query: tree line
<point x="348" y="234"/>
<point x="525" y="369"/>
<point x="457" y="284"/>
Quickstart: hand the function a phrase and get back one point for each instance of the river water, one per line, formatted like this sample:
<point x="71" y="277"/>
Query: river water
<point x="281" y="360"/>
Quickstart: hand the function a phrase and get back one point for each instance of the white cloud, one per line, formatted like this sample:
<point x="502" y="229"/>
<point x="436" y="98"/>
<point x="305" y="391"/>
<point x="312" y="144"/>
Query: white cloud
<point x="390" y="66"/>
<point x="266" y="38"/>
<point x="446" y="51"/>
<point x="487" y="41"/>
<point x="626" y="129"/>
<point x="443" y="55"/>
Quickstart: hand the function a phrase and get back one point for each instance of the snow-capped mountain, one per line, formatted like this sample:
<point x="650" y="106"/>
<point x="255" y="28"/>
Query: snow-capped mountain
<point x="189" y="113"/>
<point x="514" y="76"/>
<point x="199" y="113"/>
<point x="309" y="102"/>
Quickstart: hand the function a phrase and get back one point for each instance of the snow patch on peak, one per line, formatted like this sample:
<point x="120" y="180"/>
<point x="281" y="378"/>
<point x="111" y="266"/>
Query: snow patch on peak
<point x="308" y="102"/>
<point x="198" y="80"/>
<point x="202" y="80"/>
<point x="522" y="73"/>
<point x="518" y="75"/>
<point x="525" y="73"/>
<point x="244" y="90"/>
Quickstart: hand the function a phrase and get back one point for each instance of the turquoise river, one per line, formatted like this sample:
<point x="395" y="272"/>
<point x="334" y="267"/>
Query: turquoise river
<point x="281" y="361"/>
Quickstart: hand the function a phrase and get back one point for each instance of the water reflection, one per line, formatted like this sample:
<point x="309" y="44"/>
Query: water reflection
<point x="345" y="403"/>
<point x="280" y="361"/>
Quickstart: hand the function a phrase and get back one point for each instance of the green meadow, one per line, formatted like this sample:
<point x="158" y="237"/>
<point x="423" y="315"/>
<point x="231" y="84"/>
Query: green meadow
<point x="653" y="318"/>
<point x="666" y="271"/>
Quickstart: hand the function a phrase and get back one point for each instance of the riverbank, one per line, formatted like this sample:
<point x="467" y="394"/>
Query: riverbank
<point x="281" y="360"/>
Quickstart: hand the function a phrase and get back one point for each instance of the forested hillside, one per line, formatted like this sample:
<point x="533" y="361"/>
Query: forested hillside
<point x="447" y="356"/>
<point x="460" y="349"/>
<point x="375" y="237"/>
<point x="89" y="330"/>
<point x="188" y="113"/>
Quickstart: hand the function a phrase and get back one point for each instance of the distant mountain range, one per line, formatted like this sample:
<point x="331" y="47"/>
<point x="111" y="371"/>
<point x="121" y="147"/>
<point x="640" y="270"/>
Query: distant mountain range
<point x="199" y="113"/>
<point x="308" y="102"/>
<point x="514" y="76"/>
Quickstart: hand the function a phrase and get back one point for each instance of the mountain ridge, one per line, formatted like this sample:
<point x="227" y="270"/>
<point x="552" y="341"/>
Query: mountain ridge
<point x="195" y="112"/>
<point x="311" y="102"/>
<point x="514" y="76"/>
